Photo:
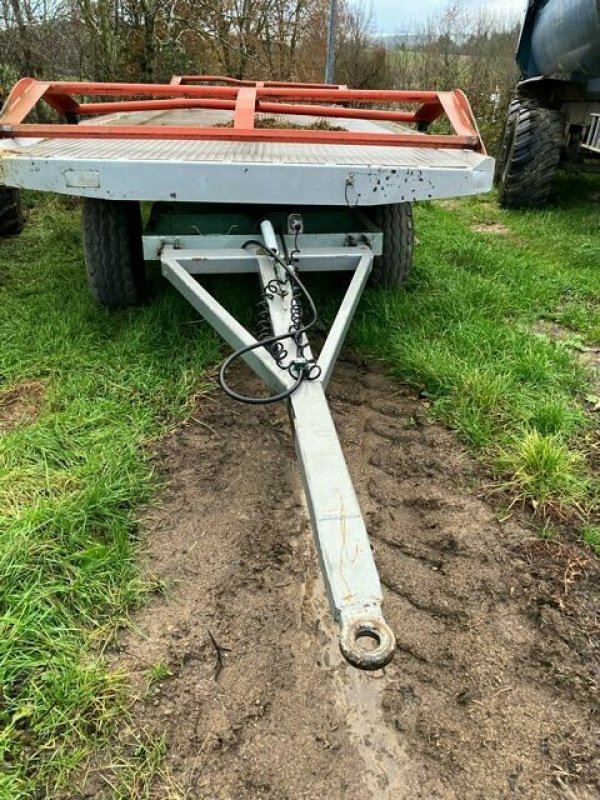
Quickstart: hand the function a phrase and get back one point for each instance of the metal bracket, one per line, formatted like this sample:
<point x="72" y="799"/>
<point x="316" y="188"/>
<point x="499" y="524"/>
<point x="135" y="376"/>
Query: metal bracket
<point x="592" y="139"/>
<point x="295" y="224"/>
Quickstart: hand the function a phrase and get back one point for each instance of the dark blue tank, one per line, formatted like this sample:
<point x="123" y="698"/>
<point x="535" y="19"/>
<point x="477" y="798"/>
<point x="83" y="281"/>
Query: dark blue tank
<point x="561" y="38"/>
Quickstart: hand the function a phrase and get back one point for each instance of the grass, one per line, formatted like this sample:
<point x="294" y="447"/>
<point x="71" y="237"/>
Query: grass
<point x="133" y="776"/>
<point x="545" y="469"/>
<point x="69" y="486"/>
<point x="462" y="334"/>
<point x="157" y="672"/>
<point x="278" y="123"/>
<point x="590" y="535"/>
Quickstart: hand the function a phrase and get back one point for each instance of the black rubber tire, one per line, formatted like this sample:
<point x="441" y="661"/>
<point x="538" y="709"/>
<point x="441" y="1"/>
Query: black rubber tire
<point x="506" y="140"/>
<point x="11" y="212"/>
<point x="530" y="154"/>
<point x="392" y="268"/>
<point x="114" y="258"/>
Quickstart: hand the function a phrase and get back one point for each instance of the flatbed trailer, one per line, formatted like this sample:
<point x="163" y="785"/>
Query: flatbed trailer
<point x="272" y="178"/>
<point x="174" y="145"/>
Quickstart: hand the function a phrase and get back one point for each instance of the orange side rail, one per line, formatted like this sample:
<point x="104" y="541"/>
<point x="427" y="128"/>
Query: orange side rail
<point x="196" y="80"/>
<point x="245" y="99"/>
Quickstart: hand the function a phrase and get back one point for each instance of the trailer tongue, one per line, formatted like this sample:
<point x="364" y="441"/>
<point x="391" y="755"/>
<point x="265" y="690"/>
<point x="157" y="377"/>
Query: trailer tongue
<point x="293" y="373"/>
<point x="197" y="141"/>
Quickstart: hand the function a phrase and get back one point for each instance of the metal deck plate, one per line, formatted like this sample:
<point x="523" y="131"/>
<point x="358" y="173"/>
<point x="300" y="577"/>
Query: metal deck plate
<point x="272" y="153"/>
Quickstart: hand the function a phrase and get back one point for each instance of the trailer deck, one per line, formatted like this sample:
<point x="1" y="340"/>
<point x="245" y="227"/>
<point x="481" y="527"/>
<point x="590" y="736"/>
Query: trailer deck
<point x="172" y="151"/>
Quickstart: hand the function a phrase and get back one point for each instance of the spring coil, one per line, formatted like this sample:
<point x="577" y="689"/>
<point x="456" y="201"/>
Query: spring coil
<point x="300" y="369"/>
<point x="276" y="287"/>
<point x="264" y="331"/>
<point x="311" y="369"/>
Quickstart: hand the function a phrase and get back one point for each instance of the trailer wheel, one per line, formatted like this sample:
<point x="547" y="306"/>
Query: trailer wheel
<point x="506" y="140"/>
<point x="114" y="259"/>
<point x="529" y="155"/>
<point x="391" y="269"/>
<point x="11" y="212"/>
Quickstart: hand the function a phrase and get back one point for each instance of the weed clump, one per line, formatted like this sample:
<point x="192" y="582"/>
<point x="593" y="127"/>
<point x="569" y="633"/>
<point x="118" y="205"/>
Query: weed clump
<point x="542" y="469"/>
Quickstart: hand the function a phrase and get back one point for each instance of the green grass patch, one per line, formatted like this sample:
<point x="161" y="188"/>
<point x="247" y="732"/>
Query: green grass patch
<point x="159" y="671"/>
<point x="69" y="485"/>
<point x="590" y="535"/>
<point x="463" y="334"/>
<point x="544" y="468"/>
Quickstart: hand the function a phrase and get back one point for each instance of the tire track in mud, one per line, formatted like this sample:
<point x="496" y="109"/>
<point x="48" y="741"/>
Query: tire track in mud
<point x="383" y="764"/>
<point x="491" y="693"/>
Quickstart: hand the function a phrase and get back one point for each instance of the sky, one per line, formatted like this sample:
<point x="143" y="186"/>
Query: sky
<point x="392" y="16"/>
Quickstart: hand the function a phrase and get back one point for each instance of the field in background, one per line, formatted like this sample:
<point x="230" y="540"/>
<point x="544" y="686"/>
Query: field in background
<point x="492" y="332"/>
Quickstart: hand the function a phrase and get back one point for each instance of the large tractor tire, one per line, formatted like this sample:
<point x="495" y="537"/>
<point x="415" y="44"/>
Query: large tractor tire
<point x="11" y="212"/>
<point x="529" y="155"/>
<point x="392" y="268"/>
<point x="114" y="259"/>
<point x="507" y="138"/>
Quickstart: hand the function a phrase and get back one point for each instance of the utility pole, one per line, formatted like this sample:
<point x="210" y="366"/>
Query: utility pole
<point x="331" y="42"/>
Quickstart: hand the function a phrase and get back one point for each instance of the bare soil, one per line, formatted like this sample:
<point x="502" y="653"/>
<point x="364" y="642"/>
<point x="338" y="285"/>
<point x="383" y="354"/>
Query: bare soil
<point x="492" y="694"/>
<point x="588" y="357"/>
<point x="494" y="228"/>
<point x="20" y="405"/>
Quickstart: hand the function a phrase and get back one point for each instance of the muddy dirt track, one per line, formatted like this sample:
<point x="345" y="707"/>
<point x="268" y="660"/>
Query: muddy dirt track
<point x="492" y="694"/>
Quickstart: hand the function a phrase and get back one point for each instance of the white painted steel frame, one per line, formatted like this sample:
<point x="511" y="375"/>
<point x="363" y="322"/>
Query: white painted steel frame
<point x="154" y="245"/>
<point x="347" y="563"/>
<point x="232" y="261"/>
<point x="221" y="320"/>
<point x="391" y="175"/>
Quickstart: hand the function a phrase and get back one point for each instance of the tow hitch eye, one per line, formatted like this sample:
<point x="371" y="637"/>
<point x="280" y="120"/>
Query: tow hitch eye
<point x="366" y="642"/>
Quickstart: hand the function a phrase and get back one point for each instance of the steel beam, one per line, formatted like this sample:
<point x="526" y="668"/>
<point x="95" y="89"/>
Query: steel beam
<point x="592" y="139"/>
<point x="347" y="563"/>
<point x="339" y="329"/>
<point x="213" y="246"/>
<point x="349" y="571"/>
<point x="228" y="261"/>
<point x="222" y="321"/>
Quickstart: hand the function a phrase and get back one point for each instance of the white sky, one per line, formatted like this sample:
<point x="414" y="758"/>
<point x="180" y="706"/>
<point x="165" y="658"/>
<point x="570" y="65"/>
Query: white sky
<point x="393" y="16"/>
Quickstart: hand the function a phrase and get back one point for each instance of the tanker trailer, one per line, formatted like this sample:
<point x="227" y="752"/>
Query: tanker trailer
<point x="554" y="120"/>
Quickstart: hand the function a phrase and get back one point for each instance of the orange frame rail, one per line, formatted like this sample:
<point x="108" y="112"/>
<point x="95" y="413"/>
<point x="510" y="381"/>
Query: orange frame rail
<point x="199" y="80"/>
<point x="245" y="99"/>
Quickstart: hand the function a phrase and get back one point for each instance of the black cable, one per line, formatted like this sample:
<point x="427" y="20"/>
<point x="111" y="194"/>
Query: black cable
<point x="296" y="250"/>
<point x="286" y="251"/>
<point x="272" y="345"/>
